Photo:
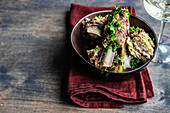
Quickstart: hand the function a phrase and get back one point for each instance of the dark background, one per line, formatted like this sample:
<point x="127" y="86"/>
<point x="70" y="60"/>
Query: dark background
<point x="34" y="58"/>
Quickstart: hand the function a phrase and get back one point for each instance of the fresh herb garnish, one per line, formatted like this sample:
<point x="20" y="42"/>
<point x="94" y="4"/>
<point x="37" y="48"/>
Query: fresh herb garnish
<point x="117" y="57"/>
<point x="149" y="39"/>
<point x="95" y="49"/>
<point x="112" y="29"/>
<point x="128" y="34"/>
<point x="109" y="18"/>
<point x="106" y="43"/>
<point x="115" y="45"/>
<point x="133" y="28"/>
<point x="118" y="24"/>
<point x="130" y="40"/>
<point x="112" y="36"/>
<point x="120" y="62"/>
<point x="143" y="44"/>
<point x="116" y="10"/>
<point x="127" y="11"/>
<point x="107" y="74"/>
<point x="102" y="72"/>
<point x="100" y="16"/>
<point x="135" y="62"/>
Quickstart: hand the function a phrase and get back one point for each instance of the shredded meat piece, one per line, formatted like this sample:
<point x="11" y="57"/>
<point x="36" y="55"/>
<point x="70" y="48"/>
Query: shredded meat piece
<point x="94" y="56"/>
<point x="121" y="31"/>
<point x="140" y="45"/>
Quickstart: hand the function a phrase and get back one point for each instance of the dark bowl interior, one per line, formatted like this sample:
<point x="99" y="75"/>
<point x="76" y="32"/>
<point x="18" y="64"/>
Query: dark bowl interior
<point x="77" y="43"/>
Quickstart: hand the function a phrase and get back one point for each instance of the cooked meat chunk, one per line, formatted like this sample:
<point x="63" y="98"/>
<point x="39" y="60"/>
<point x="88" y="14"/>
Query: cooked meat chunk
<point x="147" y="40"/>
<point x="108" y="58"/>
<point x="118" y="47"/>
<point x="122" y="27"/>
<point x="140" y="46"/>
<point x="94" y="31"/>
<point x="94" y="55"/>
<point x="92" y="27"/>
<point x="125" y="58"/>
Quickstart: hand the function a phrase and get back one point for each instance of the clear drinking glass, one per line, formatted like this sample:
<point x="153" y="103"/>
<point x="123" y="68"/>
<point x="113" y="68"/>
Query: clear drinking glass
<point x="160" y="10"/>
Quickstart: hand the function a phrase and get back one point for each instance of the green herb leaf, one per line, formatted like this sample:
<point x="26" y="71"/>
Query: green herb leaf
<point x="102" y="72"/>
<point x="118" y="24"/>
<point x="112" y="36"/>
<point x="109" y="18"/>
<point x="149" y="39"/>
<point x="130" y="40"/>
<point x="100" y="16"/>
<point x="117" y="57"/>
<point x="137" y="29"/>
<point x="133" y="28"/>
<point x="95" y="49"/>
<point x="143" y="44"/>
<point x="135" y="62"/>
<point x="117" y="10"/>
<point x="127" y="11"/>
<point x="107" y="43"/>
<point x="107" y="36"/>
<point x="107" y="74"/>
<point x="120" y="62"/>
<point x="112" y="28"/>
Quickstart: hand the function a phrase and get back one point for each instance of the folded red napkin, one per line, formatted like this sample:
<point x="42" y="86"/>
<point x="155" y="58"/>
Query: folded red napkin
<point x="86" y="90"/>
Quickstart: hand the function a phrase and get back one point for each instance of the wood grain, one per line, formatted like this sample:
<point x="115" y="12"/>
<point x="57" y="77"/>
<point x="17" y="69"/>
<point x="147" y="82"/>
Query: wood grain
<point x="34" y="58"/>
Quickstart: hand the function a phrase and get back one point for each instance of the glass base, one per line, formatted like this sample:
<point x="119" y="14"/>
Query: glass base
<point x="163" y="51"/>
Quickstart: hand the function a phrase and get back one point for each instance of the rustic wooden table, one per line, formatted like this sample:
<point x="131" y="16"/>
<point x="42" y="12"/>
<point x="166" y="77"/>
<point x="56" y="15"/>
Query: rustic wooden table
<point x="34" y="58"/>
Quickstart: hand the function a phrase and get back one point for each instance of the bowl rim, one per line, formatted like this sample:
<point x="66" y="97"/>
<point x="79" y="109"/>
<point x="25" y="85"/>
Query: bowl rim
<point x="126" y="72"/>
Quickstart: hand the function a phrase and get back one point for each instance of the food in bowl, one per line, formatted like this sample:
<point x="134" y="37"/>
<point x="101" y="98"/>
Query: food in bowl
<point x="112" y="45"/>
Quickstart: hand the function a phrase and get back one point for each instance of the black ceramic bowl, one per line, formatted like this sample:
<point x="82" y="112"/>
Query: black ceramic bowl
<point x="77" y="43"/>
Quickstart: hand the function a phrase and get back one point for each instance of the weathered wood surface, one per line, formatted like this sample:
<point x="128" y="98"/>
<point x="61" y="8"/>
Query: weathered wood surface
<point x="34" y="58"/>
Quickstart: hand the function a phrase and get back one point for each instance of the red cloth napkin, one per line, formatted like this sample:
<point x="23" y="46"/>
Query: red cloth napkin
<point x="88" y="91"/>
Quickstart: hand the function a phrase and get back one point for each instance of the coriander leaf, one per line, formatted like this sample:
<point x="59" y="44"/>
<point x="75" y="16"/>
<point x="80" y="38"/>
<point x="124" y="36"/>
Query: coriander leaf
<point x="118" y="24"/>
<point x="107" y="74"/>
<point x="107" y="43"/>
<point x="100" y="16"/>
<point x="102" y="72"/>
<point x="120" y="62"/>
<point x="142" y="44"/>
<point x="109" y="18"/>
<point x="95" y="49"/>
<point x="149" y="39"/>
<point x="136" y="28"/>
<point x="127" y="11"/>
<point x="117" y="57"/>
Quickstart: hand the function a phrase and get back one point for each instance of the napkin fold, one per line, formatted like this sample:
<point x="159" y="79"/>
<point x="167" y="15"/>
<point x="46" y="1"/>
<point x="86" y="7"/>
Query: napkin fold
<point x="86" y="90"/>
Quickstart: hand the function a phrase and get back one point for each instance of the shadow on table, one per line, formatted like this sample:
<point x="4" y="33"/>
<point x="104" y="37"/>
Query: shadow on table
<point x="64" y="96"/>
